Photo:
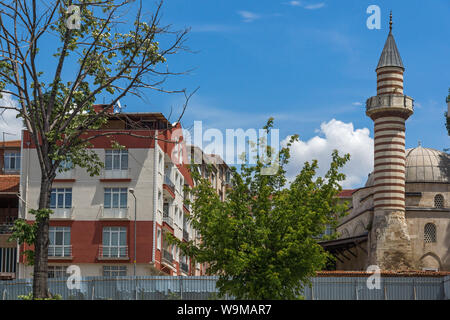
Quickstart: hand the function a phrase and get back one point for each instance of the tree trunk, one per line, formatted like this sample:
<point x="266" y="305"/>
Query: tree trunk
<point x="40" y="288"/>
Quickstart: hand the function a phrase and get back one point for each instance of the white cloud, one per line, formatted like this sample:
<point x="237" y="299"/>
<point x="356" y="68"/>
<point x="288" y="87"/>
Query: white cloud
<point x="294" y="3"/>
<point x="8" y="121"/>
<point x="248" y="16"/>
<point x="357" y="103"/>
<point x="314" y="6"/>
<point x="338" y="135"/>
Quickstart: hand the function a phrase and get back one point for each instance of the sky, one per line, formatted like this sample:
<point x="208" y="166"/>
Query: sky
<point x="311" y="66"/>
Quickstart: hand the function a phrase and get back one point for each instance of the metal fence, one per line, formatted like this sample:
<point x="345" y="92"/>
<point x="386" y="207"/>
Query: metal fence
<point x="204" y="288"/>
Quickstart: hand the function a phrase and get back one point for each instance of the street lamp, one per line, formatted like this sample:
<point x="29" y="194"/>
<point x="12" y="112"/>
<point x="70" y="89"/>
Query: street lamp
<point x="134" y="260"/>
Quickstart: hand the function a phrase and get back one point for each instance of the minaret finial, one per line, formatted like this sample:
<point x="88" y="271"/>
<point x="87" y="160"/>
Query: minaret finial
<point x="390" y="22"/>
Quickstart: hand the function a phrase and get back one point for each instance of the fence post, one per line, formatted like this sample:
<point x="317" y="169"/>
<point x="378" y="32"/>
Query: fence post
<point x="356" y="290"/>
<point x="414" y="289"/>
<point x="181" y="287"/>
<point x="4" y="294"/>
<point x="93" y="289"/>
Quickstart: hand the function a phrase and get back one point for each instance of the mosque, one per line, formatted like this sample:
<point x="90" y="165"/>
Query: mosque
<point x="400" y="219"/>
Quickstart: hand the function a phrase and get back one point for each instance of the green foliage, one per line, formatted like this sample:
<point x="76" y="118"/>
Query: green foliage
<point x="29" y="296"/>
<point x="262" y="240"/>
<point x="25" y="233"/>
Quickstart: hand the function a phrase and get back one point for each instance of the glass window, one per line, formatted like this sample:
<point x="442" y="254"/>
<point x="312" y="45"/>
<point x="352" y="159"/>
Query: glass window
<point x="439" y="201"/>
<point x="114" y="242"/>
<point x="158" y="239"/>
<point x="116" y="159"/>
<point x="57" y="272"/>
<point x="430" y="233"/>
<point x="12" y="161"/>
<point x="59" y="238"/>
<point x="115" y="198"/>
<point x="65" y="165"/>
<point x="114" y="271"/>
<point x="61" y="198"/>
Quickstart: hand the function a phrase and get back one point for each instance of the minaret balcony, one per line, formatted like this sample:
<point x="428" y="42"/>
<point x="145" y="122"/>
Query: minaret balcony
<point x="390" y="102"/>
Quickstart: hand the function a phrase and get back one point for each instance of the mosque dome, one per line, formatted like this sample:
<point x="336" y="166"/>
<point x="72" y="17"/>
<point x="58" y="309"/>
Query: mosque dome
<point x="424" y="165"/>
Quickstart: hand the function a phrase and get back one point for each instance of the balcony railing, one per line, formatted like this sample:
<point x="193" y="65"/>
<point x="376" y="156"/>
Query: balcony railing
<point x="169" y="183"/>
<point x="113" y="252"/>
<point x="184" y="267"/>
<point x="62" y="213"/>
<point x="114" y="213"/>
<point x="6" y="228"/>
<point x="116" y="174"/>
<point x="167" y="256"/>
<point x="69" y="174"/>
<point x="185" y="235"/>
<point x="60" y="251"/>
<point x="167" y="219"/>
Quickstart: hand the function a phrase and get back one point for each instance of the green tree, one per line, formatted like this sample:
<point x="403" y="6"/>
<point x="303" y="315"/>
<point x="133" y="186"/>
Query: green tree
<point x="95" y="54"/>
<point x="262" y="240"/>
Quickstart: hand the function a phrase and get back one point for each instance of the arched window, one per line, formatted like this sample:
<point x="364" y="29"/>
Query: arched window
<point x="429" y="233"/>
<point x="439" y="201"/>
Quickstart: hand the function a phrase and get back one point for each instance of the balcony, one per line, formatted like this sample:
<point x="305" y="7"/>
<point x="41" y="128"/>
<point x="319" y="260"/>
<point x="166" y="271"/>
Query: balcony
<point x="65" y="175"/>
<point x="167" y="256"/>
<point x="116" y="174"/>
<point x="60" y="252"/>
<point x="113" y="252"/>
<point x="167" y="219"/>
<point x="185" y="235"/>
<point x="114" y="213"/>
<point x="169" y="186"/>
<point x="62" y="213"/>
<point x="6" y="228"/>
<point x="184" y="267"/>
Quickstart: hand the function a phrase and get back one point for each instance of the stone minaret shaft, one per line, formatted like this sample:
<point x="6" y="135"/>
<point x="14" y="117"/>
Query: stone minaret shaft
<point x="389" y="109"/>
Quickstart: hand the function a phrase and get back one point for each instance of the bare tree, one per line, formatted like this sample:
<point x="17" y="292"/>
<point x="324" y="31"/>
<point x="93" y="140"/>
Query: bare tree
<point x="93" y="57"/>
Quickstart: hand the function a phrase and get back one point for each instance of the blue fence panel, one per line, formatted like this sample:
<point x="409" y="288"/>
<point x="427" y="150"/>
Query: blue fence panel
<point x="199" y="287"/>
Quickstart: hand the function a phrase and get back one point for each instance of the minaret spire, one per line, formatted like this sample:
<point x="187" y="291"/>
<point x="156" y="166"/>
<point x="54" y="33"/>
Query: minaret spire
<point x="390" y="22"/>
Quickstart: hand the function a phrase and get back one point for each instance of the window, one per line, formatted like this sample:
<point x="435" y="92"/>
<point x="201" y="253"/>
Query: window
<point x="439" y="201"/>
<point x="116" y="159"/>
<point x="429" y="233"/>
<point x="161" y="162"/>
<point x="115" y="242"/>
<point x="8" y="260"/>
<point x="59" y="242"/>
<point x="61" y="198"/>
<point x="65" y="165"/>
<point x="114" y="271"/>
<point x="12" y="161"/>
<point x="115" y="198"/>
<point x="158" y="239"/>
<point x="57" y="272"/>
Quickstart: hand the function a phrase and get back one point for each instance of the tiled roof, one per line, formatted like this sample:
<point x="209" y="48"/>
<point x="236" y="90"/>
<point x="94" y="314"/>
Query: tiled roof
<point x="12" y="143"/>
<point x="9" y="183"/>
<point x="346" y="193"/>
<point x="414" y="273"/>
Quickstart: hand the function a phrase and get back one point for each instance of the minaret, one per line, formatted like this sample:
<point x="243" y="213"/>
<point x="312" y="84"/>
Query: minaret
<point x="389" y="110"/>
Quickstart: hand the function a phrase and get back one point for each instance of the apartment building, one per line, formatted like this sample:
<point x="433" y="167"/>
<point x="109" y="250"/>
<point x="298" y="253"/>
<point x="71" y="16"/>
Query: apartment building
<point x="213" y="168"/>
<point x="10" y="160"/>
<point x="93" y="224"/>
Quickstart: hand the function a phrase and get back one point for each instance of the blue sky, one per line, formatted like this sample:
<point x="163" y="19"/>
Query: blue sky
<point x="306" y="66"/>
<point x="311" y="66"/>
<point x="306" y="63"/>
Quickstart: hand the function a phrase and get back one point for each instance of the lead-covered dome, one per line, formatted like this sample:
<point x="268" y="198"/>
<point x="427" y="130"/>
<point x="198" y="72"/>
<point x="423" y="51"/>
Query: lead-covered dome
<point x="427" y="165"/>
<point x="424" y="165"/>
